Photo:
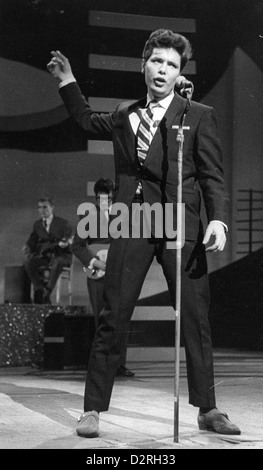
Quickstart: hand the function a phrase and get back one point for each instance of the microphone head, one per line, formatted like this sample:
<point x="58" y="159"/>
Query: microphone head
<point x="182" y="82"/>
<point x="186" y="87"/>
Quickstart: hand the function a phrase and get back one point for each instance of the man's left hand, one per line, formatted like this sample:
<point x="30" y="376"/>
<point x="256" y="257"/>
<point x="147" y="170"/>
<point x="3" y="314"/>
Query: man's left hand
<point x="217" y="230"/>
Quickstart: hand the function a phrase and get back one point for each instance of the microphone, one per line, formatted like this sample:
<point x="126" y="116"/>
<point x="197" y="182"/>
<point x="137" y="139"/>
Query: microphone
<point x="186" y="87"/>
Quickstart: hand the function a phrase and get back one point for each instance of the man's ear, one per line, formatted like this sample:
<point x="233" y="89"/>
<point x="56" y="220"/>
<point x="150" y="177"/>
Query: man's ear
<point x="143" y="66"/>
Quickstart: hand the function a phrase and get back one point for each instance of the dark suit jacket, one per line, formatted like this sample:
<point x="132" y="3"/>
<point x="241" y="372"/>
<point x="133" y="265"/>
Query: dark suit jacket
<point x="40" y="238"/>
<point x="85" y="248"/>
<point x="202" y="156"/>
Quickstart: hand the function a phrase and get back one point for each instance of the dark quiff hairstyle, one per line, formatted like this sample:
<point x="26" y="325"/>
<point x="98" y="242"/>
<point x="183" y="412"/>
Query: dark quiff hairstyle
<point x="104" y="185"/>
<point x="165" y="38"/>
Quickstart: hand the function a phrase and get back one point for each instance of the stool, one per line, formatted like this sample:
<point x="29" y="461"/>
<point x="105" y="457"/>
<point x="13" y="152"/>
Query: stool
<point x="44" y="271"/>
<point x="67" y="275"/>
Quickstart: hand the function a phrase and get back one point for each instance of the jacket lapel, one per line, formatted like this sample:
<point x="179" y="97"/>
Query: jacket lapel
<point x="175" y="110"/>
<point x="130" y="137"/>
<point x="52" y="225"/>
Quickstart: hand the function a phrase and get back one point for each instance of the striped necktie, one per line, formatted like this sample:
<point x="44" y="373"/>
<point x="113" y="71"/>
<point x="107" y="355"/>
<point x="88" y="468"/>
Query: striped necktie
<point x="144" y="134"/>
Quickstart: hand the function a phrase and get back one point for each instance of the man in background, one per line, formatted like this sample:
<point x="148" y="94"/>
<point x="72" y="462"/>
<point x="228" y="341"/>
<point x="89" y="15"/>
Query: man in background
<point x="92" y="252"/>
<point x="47" y="250"/>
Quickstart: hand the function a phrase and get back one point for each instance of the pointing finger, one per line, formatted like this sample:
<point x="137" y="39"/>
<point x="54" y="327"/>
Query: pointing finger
<point x="61" y="56"/>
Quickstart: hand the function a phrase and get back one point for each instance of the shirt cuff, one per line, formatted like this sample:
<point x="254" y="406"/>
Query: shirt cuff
<point x="66" y="82"/>
<point x="225" y="226"/>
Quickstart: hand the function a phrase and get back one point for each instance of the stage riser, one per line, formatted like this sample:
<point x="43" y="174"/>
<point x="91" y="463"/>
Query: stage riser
<point x="24" y="329"/>
<point x="61" y="336"/>
<point x="56" y="337"/>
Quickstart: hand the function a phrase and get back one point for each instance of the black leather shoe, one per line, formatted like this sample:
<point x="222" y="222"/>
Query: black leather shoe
<point x="216" y="421"/>
<point x="122" y="371"/>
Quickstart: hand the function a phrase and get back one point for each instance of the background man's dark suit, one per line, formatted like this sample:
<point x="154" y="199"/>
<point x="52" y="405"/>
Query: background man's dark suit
<point x="45" y="251"/>
<point x="85" y="249"/>
<point x="129" y="259"/>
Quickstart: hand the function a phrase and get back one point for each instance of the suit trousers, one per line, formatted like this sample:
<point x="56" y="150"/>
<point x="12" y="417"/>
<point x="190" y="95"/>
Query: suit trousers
<point x="96" y="295"/>
<point x="55" y="267"/>
<point x="128" y="262"/>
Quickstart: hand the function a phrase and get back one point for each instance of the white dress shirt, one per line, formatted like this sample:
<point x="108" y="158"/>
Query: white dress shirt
<point x="158" y="110"/>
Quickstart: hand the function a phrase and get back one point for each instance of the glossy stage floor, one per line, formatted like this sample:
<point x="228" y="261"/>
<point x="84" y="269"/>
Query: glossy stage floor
<point x="39" y="409"/>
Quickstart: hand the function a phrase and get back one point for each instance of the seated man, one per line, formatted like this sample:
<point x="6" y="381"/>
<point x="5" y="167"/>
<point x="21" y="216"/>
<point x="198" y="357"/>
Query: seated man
<point x="48" y="248"/>
<point x="92" y="252"/>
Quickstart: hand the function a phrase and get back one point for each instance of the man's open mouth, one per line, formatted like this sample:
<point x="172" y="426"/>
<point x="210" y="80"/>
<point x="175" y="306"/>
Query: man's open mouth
<point x="159" y="81"/>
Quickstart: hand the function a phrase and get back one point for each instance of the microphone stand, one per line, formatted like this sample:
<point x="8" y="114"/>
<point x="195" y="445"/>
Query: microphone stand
<point x="180" y="139"/>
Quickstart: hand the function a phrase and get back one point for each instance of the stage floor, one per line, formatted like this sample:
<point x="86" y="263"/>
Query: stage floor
<point x="39" y="409"/>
